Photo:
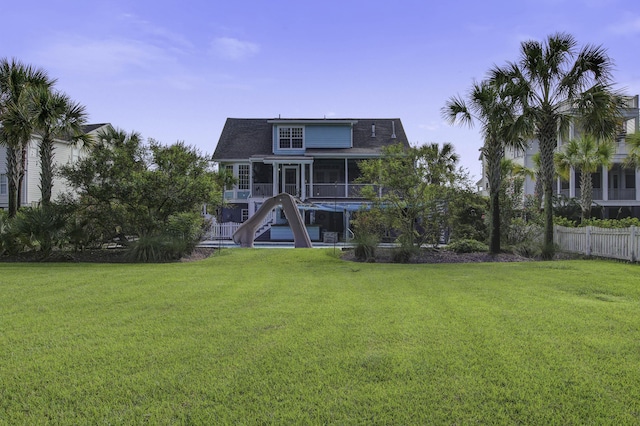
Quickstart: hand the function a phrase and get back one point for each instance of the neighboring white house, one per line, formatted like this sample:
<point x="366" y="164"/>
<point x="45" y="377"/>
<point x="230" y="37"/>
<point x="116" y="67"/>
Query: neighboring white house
<point x="65" y="152"/>
<point x="616" y="191"/>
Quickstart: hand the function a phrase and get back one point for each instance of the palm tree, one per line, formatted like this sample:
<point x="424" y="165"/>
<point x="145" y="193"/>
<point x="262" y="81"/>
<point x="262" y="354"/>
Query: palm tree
<point x="501" y="127"/>
<point x="556" y="83"/>
<point x="439" y="163"/>
<point x="56" y="116"/>
<point x="633" y="157"/>
<point x="16" y="79"/>
<point x="587" y="155"/>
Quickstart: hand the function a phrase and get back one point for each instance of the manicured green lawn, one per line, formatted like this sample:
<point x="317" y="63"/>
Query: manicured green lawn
<point x="299" y="337"/>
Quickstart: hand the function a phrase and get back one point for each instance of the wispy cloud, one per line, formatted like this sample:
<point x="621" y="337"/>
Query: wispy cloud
<point x="432" y="126"/>
<point x="102" y="56"/>
<point x="118" y="61"/>
<point x="233" y="49"/>
<point x="629" y="26"/>
<point x="157" y="34"/>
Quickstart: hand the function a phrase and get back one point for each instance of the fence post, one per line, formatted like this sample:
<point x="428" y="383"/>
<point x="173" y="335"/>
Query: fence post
<point x="588" y="238"/>
<point x="632" y="243"/>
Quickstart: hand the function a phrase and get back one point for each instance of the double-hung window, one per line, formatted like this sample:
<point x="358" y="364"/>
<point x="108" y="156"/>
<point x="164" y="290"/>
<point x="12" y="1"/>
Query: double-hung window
<point x="3" y="185"/>
<point x="243" y="177"/>
<point x="229" y="170"/>
<point x="290" y="137"/>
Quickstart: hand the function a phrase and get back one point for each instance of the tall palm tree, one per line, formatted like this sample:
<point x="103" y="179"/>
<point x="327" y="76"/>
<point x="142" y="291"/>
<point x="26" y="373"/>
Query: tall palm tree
<point x="55" y="116"/>
<point x="556" y="83"/>
<point x="16" y="79"/>
<point x="586" y="154"/>
<point x="501" y="125"/>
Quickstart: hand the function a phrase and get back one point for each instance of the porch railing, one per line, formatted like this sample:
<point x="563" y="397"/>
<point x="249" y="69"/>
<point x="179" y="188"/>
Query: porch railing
<point x="622" y="194"/>
<point x="317" y="190"/>
<point x="262" y="190"/>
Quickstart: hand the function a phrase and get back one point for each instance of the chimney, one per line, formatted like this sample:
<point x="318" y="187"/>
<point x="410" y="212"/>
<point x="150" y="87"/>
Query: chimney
<point x="393" y="130"/>
<point x="373" y="130"/>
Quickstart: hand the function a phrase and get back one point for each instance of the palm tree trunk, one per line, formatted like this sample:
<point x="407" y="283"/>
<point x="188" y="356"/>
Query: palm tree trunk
<point x="586" y="196"/>
<point x="46" y="173"/>
<point x="21" y="172"/>
<point x="493" y="154"/>
<point x="547" y="140"/>
<point x="538" y="190"/>
<point x="13" y="176"/>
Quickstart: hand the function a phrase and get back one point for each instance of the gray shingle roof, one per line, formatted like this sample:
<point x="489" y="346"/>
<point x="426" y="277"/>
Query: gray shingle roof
<point x="91" y="127"/>
<point x="242" y="138"/>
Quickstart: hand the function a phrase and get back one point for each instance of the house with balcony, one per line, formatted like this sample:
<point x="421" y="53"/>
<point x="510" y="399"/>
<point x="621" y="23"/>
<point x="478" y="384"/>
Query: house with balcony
<point x="315" y="160"/>
<point x="616" y="190"/>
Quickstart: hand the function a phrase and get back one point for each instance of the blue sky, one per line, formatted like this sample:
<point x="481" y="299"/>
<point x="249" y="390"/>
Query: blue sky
<point x="175" y="70"/>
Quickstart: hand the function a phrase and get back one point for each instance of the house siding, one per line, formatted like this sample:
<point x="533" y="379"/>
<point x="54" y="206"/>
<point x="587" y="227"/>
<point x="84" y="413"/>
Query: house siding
<point x="328" y="137"/>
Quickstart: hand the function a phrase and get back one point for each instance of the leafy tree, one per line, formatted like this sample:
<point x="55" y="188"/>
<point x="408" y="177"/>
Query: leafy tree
<point x="55" y="116"/>
<point x="587" y="155"/>
<point x="502" y="126"/>
<point x="467" y="210"/>
<point x="410" y="188"/>
<point x="130" y="188"/>
<point x="16" y="124"/>
<point x="555" y="83"/>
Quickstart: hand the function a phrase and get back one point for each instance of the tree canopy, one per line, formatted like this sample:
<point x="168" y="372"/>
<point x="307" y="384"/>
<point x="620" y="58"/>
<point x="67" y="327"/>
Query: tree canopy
<point x="126" y="187"/>
<point x="410" y="189"/>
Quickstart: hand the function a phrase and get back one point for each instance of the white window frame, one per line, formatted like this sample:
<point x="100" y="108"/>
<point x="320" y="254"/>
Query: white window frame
<point x="229" y="169"/>
<point x="4" y="185"/>
<point x="287" y="138"/>
<point x="243" y="177"/>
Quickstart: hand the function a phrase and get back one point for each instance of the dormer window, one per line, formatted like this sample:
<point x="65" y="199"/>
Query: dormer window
<point x="290" y="137"/>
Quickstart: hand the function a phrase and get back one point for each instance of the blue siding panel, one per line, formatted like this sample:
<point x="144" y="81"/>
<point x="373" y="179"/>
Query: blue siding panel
<point x="327" y="136"/>
<point x="317" y="136"/>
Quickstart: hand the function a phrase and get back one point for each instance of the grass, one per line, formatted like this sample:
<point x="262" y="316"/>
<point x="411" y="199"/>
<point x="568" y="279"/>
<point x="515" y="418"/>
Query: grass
<point x="301" y="337"/>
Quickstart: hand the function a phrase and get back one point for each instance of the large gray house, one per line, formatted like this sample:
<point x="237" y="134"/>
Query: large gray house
<point x="315" y="160"/>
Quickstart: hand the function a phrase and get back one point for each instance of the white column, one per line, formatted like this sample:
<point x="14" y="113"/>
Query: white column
<point x="346" y="177"/>
<point x="303" y="178"/>
<point x="311" y="179"/>
<point x="250" y="181"/>
<point x="637" y="184"/>
<point x="275" y="179"/>
<point x="605" y="184"/>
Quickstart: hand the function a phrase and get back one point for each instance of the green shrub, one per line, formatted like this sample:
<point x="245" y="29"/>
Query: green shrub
<point x="368" y="226"/>
<point x="525" y="238"/>
<point x="365" y="248"/>
<point x="467" y="246"/>
<point x="156" y="248"/>
<point x="599" y="223"/>
<point x="406" y="250"/>
<point x="612" y="223"/>
<point x="41" y="228"/>
<point x="180" y="236"/>
<point x="563" y="221"/>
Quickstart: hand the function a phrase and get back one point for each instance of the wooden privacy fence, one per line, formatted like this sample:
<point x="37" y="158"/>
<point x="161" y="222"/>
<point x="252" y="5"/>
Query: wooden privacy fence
<point x="615" y="243"/>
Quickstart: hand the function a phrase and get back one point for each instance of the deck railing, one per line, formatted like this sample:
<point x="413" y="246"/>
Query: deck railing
<point x="225" y="230"/>
<point x="317" y="190"/>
